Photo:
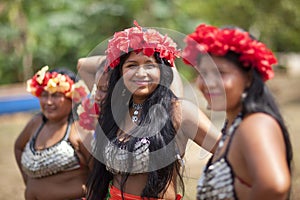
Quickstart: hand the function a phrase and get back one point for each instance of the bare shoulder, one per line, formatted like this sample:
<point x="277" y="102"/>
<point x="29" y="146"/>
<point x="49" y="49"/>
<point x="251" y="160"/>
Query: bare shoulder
<point x="260" y="129"/>
<point x="260" y="123"/>
<point x="29" y="129"/>
<point x="79" y="136"/>
<point x="74" y="133"/>
<point x="33" y="124"/>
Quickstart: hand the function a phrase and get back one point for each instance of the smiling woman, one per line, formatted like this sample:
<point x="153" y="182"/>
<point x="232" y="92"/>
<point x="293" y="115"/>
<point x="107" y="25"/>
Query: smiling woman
<point x="254" y="156"/>
<point x="49" y="151"/>
<point x="144" y="126"/>
<point x="141" y="75"/>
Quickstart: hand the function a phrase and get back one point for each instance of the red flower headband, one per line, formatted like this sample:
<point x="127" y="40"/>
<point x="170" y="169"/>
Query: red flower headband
<point x="53" y="82"/>
<point x="139" y="39"/>
<point x="210" y="39"/>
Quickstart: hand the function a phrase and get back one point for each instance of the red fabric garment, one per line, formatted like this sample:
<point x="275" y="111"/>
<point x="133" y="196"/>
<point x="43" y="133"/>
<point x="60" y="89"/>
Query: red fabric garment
<point x="115" y="194"/>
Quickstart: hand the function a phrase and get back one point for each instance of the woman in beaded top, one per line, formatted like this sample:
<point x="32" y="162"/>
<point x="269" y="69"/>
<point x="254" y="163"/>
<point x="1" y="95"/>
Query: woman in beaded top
<point x="144" y="127"/>
<point x="253" y="158"/>
<point x="49" y="151"/>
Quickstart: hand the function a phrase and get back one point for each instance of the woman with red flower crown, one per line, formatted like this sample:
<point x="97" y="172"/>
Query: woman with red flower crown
<point x="253" y="157"/>
<point x="144" y="127"/>
<point x="50" y="153"/>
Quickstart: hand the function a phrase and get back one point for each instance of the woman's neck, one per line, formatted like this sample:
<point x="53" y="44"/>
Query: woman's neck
<point x="58" y="122"/>
<point x="138" y="100"/>
<point x="231" y="116"/>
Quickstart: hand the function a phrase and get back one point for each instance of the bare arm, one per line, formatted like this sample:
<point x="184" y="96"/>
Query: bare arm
<point x="263" y="149"/>
<point x="176" y="85"/>
<point x="87" y="68"/>
<point x="83" y="138"/>
<point x="197" y="127"/>
<point x="23" y="138"/>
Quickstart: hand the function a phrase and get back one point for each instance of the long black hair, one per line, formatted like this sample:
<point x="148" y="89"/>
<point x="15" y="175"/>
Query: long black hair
<point x="156" y="122"/>
<point x="260" y="99"/>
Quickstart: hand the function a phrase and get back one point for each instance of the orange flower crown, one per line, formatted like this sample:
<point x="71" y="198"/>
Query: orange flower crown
<point x="218" y="42"/>
<point x="53" y="82"/>
<point x="140" y="39"/>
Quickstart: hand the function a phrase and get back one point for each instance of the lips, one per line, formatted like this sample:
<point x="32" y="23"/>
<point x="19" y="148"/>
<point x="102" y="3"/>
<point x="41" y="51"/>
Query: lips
<point x="141" y="82"/>
<point x="211" y="95"/>
<point x="49" y="109"/>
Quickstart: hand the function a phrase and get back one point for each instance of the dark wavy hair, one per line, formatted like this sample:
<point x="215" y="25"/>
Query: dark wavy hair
<point x="152" y="119"/>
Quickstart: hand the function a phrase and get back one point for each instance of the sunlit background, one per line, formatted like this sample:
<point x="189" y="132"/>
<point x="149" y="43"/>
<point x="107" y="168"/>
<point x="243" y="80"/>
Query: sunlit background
<point x="58" y="32"/>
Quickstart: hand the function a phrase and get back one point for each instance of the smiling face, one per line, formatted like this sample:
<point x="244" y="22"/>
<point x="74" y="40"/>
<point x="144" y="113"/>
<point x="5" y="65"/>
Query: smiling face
<point x="222" y="83"/>
<point x="55" y="106"/>
<point x="141" y="75"/>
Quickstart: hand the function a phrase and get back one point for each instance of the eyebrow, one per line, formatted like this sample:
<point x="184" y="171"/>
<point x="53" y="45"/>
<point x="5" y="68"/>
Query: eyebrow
<point x="134" y="61"/>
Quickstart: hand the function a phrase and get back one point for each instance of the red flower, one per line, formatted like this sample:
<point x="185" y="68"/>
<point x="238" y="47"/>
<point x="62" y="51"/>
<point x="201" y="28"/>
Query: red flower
<point x="89" y="117"/>
<point x="52" y="82"/>
<point x="143" y="40"/>
<point x="209" y="39"/>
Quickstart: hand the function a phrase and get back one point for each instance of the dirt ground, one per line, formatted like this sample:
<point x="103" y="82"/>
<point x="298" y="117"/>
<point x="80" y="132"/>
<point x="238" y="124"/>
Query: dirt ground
<point x="284" y="89"/>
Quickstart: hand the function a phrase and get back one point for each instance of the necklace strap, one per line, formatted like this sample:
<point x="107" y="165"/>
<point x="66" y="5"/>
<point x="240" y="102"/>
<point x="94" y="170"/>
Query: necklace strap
<point x="231" y="129"/>
<point x="137" y="106"/>
<point x="136" y="109"/>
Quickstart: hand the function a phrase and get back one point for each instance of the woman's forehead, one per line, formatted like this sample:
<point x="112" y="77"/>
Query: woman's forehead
<point x="140" y="57"/>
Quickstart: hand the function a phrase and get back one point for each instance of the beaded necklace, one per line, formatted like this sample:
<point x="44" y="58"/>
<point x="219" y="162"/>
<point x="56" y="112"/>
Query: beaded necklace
<point x="226" y="134"/>
<point x="136" y="110"/>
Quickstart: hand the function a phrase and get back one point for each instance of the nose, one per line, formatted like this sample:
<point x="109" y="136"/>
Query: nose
<point x="47" y="98"/>
<point x="211" y="79"/>
<point x="141" y="71"/>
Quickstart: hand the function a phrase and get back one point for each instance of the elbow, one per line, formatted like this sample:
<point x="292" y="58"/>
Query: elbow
<point x="281" y="189"/>
<point x="276" y="189"/>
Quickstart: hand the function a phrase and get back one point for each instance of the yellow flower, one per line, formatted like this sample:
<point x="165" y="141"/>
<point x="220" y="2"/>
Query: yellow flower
<point x="63" y="86"/>
<point x="41" y="74"/>
<point x="51" y="86"/>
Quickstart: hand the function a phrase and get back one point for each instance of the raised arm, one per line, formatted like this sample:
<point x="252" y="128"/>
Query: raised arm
<point x="87" y="68"/>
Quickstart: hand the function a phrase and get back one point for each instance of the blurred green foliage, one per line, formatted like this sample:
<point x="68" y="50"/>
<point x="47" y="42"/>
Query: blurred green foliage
<point x="58" y="32"/>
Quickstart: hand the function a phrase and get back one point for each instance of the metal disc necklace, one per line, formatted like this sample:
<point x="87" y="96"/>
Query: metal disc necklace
<point x="136" y="110"/>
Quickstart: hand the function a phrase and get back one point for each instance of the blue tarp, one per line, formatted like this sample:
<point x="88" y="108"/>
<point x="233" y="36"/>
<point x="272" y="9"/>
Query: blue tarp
<point x="16" y="104"/>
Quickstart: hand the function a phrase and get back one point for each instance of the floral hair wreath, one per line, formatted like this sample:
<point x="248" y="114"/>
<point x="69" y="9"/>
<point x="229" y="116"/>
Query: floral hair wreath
<point x="88" y="111"/>
<point x="53" y="82"/>
<point x="215" y="41"/>
<point x="140" y="39"/>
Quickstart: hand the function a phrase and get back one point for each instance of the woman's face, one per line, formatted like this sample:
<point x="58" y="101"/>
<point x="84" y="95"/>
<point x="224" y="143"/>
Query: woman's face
<point x="55" y="106"/>
<point x="222" y="83"/>
<point x="102" y="86"/>
<point x="141" y="75"/>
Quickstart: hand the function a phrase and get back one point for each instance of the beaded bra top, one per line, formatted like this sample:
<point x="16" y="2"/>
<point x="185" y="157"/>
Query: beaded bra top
<point x="217" y="180"/>
<point x="49" y="161"/>
<point x="117" y="156"/>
